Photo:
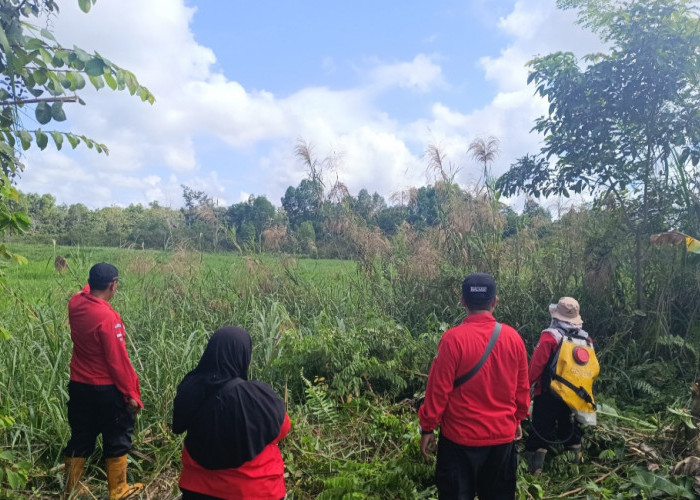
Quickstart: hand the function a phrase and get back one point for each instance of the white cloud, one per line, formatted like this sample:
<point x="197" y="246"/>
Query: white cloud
<point x="526" y="20"/>
<point x="537" y="28"/>
<point x="420" y="74"/>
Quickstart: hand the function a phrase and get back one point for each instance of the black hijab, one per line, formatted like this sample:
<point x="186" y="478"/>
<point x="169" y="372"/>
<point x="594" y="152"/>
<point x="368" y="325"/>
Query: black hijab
<point x="227" y="423"/>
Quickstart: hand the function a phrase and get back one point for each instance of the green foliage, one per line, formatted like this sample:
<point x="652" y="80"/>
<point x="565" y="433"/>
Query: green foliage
<point x="376" y="359"/>
<point x="10" y="220"/>
<point x="318" y="405"/>
<point x="13" y="475"/>
<point x="614" y="122"/>
<point x="376" y="457"/>
<point x="651" y="485"/>
<point x="621" y="125"/>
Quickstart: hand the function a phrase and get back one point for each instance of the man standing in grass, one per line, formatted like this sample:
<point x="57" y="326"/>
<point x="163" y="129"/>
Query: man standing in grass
<point x="477" y="393"/>
<point x="104" y="394"/>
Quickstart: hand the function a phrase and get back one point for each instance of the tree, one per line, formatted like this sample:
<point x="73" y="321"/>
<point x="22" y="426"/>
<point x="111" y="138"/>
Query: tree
<point x="426" y="211"/>
<point x="616" y="120"/>
<point x="301" y="203"/>
<point x="41" y="209"/>
<point x="389" y="219"/>
<point x="262" y="213"/>
<point x="38" y="72"/>
<point x="368" y="206"/>
<point x="196" y="203"/>
<point x="77" y="223"/>
<point x="533" y="209"/>
<point x="306" y="236"/>
<point x="250" y="218"/>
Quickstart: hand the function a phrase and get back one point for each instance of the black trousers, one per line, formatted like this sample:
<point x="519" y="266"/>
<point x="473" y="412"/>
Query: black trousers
<point x="465" y="471"/>
<point x="94" y="410"/>
<point x="551" y="423"/>
<point x="193" y="495"/>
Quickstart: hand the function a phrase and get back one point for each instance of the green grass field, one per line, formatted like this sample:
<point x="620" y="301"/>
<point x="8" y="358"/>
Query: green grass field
<point x="326" y="337"/>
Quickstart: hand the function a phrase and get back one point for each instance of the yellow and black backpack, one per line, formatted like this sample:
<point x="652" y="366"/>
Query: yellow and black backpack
<point x="570" y="373"/>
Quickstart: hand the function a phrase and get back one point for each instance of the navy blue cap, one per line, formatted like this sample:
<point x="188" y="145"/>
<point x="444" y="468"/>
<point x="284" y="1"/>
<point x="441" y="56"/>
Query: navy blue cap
<point x="479" y="289"/>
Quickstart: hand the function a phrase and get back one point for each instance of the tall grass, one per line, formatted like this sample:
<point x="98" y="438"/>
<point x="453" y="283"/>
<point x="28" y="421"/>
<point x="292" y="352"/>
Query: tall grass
<point x="348" y="346"/>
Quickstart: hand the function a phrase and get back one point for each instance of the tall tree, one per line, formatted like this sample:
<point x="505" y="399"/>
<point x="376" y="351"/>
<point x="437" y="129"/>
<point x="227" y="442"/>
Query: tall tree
<point x="615" y="120"/>
<point x="301" y="203"/>
<point x="368" y="206"/>
<point x="197" y="203"/>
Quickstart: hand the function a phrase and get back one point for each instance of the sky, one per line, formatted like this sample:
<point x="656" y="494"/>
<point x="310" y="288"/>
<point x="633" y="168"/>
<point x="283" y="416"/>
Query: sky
<point x="238" y="84"/>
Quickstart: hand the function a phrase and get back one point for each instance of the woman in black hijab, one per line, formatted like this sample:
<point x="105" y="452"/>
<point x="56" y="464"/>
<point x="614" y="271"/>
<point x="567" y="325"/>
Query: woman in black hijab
<point x="233" y="425"/>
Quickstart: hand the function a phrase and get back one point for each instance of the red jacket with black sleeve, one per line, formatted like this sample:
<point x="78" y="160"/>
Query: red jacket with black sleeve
<point x="487" y="409"/>
<point x="99" y="346"/>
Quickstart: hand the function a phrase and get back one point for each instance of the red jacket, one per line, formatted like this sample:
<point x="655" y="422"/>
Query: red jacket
<point x="543" y="351"/>
<point x="487" y="409"/>
<point x="261" y="478"/>
<point x="99" y="347"/>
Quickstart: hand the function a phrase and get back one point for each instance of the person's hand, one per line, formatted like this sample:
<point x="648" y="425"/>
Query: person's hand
<point x="519" y="433"/>
<point x="133" y="406"/>
<point x="427" y="444"/>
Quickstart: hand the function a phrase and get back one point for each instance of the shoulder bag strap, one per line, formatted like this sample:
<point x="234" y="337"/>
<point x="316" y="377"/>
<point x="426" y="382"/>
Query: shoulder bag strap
<point x="477" y="367"/>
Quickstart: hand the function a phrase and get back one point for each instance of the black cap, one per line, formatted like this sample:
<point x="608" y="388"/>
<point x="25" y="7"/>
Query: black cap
<point x="478" y="289"/>
<point x="101" y="275"/>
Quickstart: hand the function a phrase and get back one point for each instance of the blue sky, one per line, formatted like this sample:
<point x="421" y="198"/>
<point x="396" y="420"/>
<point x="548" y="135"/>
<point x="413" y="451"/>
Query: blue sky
<point x="284" y="46"/>
<point x="239" y="83"/>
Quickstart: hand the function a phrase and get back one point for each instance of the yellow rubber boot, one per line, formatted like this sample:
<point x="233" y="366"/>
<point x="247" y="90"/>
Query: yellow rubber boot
<point x="74" y="471"/>
<point x="116" y="480"/>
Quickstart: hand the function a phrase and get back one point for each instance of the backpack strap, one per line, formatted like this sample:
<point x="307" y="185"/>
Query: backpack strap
<point x="556" y="334"/>
<point x="551" y="367"/>
<point x="579" y="391"/>
<point x="477" y="367"/>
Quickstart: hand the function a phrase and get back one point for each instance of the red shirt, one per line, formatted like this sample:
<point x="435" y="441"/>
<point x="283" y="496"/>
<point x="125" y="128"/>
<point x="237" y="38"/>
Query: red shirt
<point x="99" y="347"/>
<point x="261" y="478"/>
<point x="543" y="351"/>
<point x="487" y="409"/>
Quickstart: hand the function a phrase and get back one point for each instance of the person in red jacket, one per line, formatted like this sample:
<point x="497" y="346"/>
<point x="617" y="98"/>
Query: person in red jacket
<point x="480" y="419"/>
<point x="233" y="425"/>
<point x="104" y="394"/>
<point x="552" y="420"/>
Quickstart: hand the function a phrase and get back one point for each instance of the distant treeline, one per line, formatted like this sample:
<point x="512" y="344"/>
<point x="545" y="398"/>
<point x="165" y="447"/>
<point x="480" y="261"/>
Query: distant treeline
<point x="308" y="222"/>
